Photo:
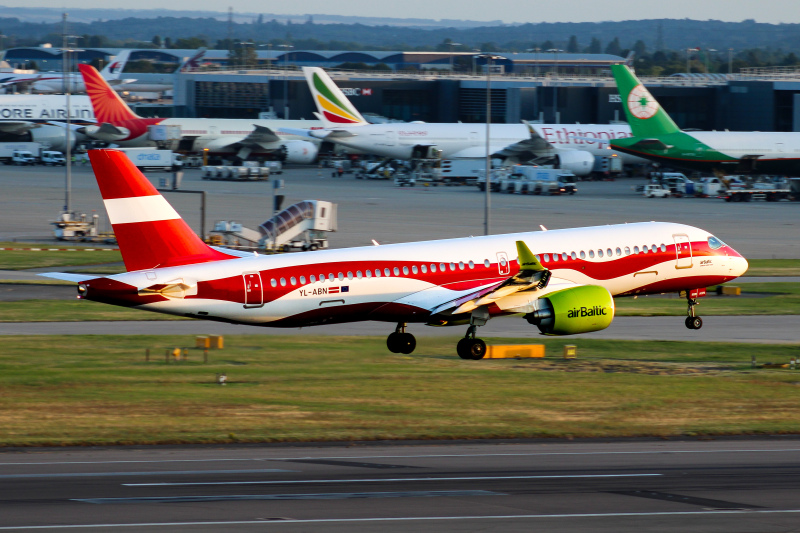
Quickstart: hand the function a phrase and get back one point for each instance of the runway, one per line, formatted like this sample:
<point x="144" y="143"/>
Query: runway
<point x="772" y="329"/>
<point x="742" y="485"/>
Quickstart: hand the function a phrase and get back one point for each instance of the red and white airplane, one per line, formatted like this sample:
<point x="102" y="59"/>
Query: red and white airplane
<point x="567" y="287"/>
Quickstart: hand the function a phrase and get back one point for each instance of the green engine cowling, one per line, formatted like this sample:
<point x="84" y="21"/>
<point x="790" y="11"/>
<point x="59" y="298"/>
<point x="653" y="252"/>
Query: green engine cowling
<point x="575" y="310"/>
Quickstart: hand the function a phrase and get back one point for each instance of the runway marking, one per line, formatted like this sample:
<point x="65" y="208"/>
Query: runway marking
<point x="423" y="456"/>
<point x="410" y="519"/>
<point x="386" y="480"/>
<point x="157" y="473"/>
<point x="321" y="496"/>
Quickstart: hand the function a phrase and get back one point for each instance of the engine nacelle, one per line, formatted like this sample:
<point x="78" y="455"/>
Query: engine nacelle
<point x="575" y="310"/>
<point x="300" y="152"/>
<point x="106" y="134"/>
<point x="578" y="162"/>
<point x="55" y="137"/>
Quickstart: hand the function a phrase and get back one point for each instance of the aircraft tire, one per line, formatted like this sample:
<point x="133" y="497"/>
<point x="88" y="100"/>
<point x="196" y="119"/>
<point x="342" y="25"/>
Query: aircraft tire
<point x="407" y="343"/>
<point x="393" y="342"/>
<point x="462" y="348"/>
<point x="694" y="322"/>
<point x="477" y="349"/>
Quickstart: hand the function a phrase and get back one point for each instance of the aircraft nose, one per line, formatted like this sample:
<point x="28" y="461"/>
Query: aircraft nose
<point x="739" y="266"/>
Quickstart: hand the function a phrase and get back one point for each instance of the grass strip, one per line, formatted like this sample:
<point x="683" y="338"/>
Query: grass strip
<point x="88" y="390"/>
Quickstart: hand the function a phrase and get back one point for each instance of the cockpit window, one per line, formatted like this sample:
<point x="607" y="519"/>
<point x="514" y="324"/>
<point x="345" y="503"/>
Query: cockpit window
<point x="715" y="243"/>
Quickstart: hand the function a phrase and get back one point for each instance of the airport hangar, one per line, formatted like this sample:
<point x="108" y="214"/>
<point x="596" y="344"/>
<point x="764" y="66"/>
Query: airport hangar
<point x="524" y="87"/>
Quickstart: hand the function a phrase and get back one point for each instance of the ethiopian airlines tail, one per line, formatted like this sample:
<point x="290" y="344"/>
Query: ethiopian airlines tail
<point x="149" y="231"/>
<point x="645" y="116"/>
<point x="334" y="109"/>
<point x="108" y="106"/>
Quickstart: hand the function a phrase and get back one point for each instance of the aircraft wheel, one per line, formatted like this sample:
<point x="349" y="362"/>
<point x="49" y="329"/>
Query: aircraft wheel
<point x="694" y="322"/>
<point x="462" y="348"/>
<point x="393" y="342"/>
<point x="407" y="343"/>
<point x="477" y="349"/>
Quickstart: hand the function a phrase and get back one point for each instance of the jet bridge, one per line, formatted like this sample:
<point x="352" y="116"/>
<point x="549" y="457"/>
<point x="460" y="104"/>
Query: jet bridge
<point x="303" y="226"/>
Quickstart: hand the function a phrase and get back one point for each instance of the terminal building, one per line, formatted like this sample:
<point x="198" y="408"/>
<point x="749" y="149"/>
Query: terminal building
<point x="540" y="86"/>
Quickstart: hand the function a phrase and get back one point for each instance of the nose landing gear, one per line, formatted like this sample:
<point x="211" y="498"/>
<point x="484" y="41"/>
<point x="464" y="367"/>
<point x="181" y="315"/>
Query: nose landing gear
<point x="401" y="342"/>
<point x="692" y="321"/>
<point x="469" y="347"/>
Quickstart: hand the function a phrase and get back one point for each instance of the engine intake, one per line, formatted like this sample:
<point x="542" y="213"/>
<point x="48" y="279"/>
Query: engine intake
<point x="575" y="310"/>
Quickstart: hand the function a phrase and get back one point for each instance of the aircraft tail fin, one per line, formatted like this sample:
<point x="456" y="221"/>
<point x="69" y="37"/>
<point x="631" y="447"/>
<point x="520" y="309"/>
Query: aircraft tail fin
<point x="107" y="104"/>
<point x="645" y="116"/>
<point x="335" y="110"/>
<point x="149" y="231"/>
<point x="192" y="62"/>
<point x="113" y="70"/>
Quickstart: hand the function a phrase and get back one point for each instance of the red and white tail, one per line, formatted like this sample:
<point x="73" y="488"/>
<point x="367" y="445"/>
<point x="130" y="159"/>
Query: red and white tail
<point x="108" y="106"/>
<point x="149" y="231"/>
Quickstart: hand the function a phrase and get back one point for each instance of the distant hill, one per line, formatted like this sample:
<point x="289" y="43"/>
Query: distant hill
<point x="142" y="25"/>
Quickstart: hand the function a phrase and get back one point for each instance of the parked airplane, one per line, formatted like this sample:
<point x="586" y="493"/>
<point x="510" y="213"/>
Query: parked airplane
<point x="54" y="82"/>
<point x="658" y="138"/>
<point x="567" y="287"/>
<point x="236" y="137"/>
<point x="149" y="82"/>
<point x="40" y="118"/>
<point x="574" y="146"/>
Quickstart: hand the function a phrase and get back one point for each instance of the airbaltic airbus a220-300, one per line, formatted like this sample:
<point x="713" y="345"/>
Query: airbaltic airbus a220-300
<point x="566" y="287"/>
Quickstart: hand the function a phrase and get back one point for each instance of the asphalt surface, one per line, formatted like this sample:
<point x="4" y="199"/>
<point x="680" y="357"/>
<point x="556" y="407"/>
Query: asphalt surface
<point x="655" y="486"/>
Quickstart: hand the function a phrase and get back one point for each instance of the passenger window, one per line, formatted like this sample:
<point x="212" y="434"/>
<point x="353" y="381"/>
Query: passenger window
<point x="591" y="254"/>
<point x="654" y="248"/>
<point x="644" y="249"/>
<point x="273" y="282"/>
<point x="471" y="264"/>
<point x="414" y="269"/>
<point x="636" y="249"/>
<point x="442" y="267"/>
<point x="609" y="252"/>
<point x="547" y="257"/>
<point x="663" y="247"/>
<point x="293" y="280"/>
<point x="627" y="250"/>
<point x="341" y="276"/>
<point x="312" y="279"/>
<point x="358" y="274"/>
<point x="369" y="273"/>
<point x="452" y="267"/>
<point x="555" y="258"/>
<point x="331" y="277"/>
<point x="619" y="252"/>
<point x="283" y="282"/>
<point x="573" y="255"/>
<point x="486" y="263"/>
<point x="349" y="275"/>
<point x="377" y="272"/>
<point x="461" y="265"/>
<point x="405" y="271"/>
<point x="599" y="253"/>
<point x="387" y="272"/>
<point x="564" y="256"/>
<point x="302" y="280"/>
<point x="433" y="267"/>
<point x="583" y="254"/>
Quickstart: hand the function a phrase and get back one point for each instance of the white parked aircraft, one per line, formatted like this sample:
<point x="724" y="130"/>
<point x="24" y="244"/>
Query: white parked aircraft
<point x="117" y="124"/>
<point x="566" y="287"/>
<point x="572" y="145"/>
<point x="40" y="118"/>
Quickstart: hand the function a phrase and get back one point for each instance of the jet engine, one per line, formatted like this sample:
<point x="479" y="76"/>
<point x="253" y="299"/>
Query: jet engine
<point x="106" y="132"/>
<point x="55" y="137"/>
<point x="300" y="152"/>
<point x="574" y="310"/>
<point x="578" y="162"/>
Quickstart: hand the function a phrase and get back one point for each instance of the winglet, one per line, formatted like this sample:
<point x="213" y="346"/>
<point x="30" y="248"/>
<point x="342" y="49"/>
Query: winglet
<point x="528" y="261"/>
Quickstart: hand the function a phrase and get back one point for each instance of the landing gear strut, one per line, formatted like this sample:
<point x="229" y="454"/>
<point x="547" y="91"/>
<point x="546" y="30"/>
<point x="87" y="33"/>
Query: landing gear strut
<point x="692" y="321"/>
<point x="400" y="341"/>
<point x="469" y="347"/>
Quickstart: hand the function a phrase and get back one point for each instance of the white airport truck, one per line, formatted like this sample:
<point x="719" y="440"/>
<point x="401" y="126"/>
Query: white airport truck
<point x="153" y="159"/>
<point x="7" y="150"/>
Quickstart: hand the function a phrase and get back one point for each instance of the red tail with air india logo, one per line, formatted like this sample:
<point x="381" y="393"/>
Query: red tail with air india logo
<point x="149" y="231"/>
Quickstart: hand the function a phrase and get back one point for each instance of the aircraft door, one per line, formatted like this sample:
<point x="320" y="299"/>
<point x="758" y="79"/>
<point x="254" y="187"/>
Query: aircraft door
<point x="253" y="291"/>
<point x="683" y="251"/>
<point x="503" y="266"/>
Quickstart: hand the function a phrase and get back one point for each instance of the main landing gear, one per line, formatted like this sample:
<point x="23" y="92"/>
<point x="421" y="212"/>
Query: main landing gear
<point x="469" y="347"/>
<point x="400" y="341"/>
<point x="692" y="321"/>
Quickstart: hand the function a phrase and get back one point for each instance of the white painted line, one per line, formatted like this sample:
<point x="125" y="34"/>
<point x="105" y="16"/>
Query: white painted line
<point x="388" y="480"/>
<point x="424" y="456"/>
<point x="156" y="473"/>
<point x="412" y="519"/>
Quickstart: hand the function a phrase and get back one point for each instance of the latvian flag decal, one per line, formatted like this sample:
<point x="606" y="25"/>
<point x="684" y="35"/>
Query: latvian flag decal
<point x="337" y="290"/>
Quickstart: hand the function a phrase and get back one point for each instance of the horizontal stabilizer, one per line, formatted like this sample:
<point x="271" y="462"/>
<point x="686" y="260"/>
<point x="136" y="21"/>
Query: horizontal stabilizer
<point x="650" y="144"/>
<point x="64" y="276"/>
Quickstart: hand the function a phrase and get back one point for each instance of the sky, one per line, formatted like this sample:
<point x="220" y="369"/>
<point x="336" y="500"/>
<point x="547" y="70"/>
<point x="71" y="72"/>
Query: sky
<point x="510" y="11"/>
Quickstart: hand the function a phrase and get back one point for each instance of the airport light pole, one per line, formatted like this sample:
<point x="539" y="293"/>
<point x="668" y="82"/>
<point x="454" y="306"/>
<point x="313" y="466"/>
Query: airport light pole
<point x="730" y="60"/>
<point x="286" y="48"/>
<point x="708" y="52"/>
<point x="488" y="182"/>
<point x="535" y="60"/>
<point x="556" y="120"/>
<point x="452" y="44"/>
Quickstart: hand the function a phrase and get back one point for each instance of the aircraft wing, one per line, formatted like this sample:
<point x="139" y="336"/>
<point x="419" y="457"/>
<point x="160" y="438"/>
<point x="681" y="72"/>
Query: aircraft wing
<point x="17" y="127"/>
<point x="535" y="144"/>
<point x="316" y="134"/>
<point x="476" y="152"/>
<point x="532" y="276"/>
<point x="650" y="144"/>
<point x="63" y="276"/>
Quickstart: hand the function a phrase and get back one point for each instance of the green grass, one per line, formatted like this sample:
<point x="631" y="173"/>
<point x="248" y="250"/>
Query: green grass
<point x="756" y="299"/>
<point x="24" y="259"/>
<point x="72" y="311"/>
<point x="773" y="267"/>
<point x="99" y="390"/>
